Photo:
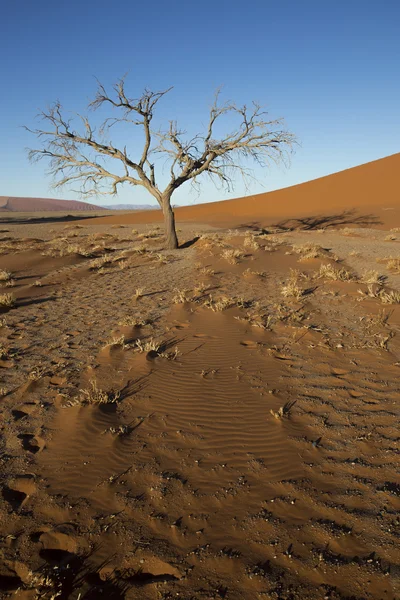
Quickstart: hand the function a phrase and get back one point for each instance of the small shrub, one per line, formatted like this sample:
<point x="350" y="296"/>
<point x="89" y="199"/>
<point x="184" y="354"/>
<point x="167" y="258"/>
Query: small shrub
<point x="7" y="300"/>
<point x="330" y="272"/>
<point x="181" y="296"/>
<point x="232" y="255"/>
<point x="5" y="275"/>
<point x="283" y="411"/>
<point x="95" y="395"/>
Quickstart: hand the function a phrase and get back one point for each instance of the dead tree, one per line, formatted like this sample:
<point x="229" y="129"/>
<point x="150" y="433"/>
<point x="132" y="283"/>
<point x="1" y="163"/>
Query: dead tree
<point x="86" y="156"/>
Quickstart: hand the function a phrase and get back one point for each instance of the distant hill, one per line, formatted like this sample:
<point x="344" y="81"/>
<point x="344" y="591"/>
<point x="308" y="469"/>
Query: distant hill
<point x="17" y="204"/>
<point x="129" y="207"/>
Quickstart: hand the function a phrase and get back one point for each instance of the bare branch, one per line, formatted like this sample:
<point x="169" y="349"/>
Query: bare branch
<point x="87" y="157"/>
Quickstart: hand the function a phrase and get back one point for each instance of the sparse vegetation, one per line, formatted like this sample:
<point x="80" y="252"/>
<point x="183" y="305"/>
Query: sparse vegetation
<point x="372" y="277"/>
<point x="330" y="272"/>
<point x="181" y="296"/>
<point x="283" y="411"/>
<point x="94" y="395"/>
<point x="147" y="346"/>
<point x="308" y="251"/>
<point x="5" y="275"/>
<point x="7" y="300"/>
<point x="232" y="255"/>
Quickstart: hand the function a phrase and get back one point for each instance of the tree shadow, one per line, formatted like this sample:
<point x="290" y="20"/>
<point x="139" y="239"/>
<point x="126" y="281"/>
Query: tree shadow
<point x="321" y="221"/>
<point x="23" y="220"/>
<point x="189" y="243"/>
<point x="30" y="301"/>
<point x="346" y="217"/>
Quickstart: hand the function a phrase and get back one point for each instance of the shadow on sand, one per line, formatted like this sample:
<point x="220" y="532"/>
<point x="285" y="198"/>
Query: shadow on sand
<point x="24" y="220"/>
<point x="322" y="221"/>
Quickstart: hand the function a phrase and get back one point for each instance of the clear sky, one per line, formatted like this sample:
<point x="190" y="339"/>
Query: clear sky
<point x="331" y="68"/>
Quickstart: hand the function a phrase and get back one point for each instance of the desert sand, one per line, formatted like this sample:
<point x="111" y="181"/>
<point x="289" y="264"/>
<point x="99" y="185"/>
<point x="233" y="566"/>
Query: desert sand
<point x="13" y="204"/>
<point x="219" y="421"/>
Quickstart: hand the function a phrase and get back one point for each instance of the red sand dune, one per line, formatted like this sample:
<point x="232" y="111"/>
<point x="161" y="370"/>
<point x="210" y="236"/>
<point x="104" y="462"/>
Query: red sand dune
<point x="14" y="204"/>
<point x="369" y="189"/>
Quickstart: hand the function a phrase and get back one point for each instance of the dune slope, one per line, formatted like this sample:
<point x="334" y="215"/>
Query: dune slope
<point x="370" y="190"/>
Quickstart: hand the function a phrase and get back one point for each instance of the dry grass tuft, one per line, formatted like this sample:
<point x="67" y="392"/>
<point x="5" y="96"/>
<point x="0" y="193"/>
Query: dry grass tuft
<point x="7" y="300"/>
<point x="392" y="264"/>
<point x="283" y="411"/>
<point x="148" y="346"/>
<point x="181" y="296"/>
<point x="95" y="395"/>
<point x="346" y="231"/>
<point x="392" y="297"/>
<point x="390" y="238"/>
<point x="372" y="277"/>
<point x="292" y="289"/>
<point x="5" y="275"/>
<point x="250" y="241"/>
<point x="117" y="342"/>
<point x="219" y="304"/>
<point x="130" y="321"/>
<point x="330" y="272"/>
<point x="139" y="293"/>
<point x="308" y="251"/>
<point x="232" y="255"/>
<point x="207" y="271"/>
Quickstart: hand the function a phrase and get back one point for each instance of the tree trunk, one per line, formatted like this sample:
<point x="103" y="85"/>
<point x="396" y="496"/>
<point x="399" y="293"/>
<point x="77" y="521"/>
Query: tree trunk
<point x="169" y="224"/>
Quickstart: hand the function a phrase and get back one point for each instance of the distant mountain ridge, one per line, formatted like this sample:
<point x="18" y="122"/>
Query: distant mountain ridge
<point x="25" y="204"/>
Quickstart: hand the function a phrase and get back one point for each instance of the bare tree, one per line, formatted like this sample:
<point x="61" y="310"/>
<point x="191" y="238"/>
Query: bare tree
<point x="85" y="155"/>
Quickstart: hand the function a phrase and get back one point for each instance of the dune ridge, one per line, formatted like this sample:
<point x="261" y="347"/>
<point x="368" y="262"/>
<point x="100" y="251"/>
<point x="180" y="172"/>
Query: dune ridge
<point x="371" y="188"/>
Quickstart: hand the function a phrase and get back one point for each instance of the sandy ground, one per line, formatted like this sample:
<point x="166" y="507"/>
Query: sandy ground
<point x="219" y="421"/>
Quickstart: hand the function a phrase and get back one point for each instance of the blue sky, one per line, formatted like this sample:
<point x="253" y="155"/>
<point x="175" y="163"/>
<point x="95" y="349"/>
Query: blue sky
<point x="331" y="69"/>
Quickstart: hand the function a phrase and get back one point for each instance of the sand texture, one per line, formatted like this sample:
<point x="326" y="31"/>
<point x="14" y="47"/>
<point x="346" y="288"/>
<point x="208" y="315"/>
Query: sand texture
<point x="219" y="421"/>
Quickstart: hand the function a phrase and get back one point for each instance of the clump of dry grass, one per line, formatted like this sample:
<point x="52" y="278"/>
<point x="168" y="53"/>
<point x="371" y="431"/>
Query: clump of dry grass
<point x="117" y="342"/>
<point x="346" y="231"/>
<point x="257" y="319"/>
<point x="330" y="272"/>
<point x="141" y="249"/>
<point x="133" y="321"/>
<point x="148" y="346"/>
<point x="250" y="241"/>
<point x="291" y="288"/>
<point x="94" y="395"/>
<point x="207" y="271"/>
<point x="283" y="411"/>
<point x="181" y="296"/>
<point x="5" y="275"/>
<point x="138" y="293"/>
<point x="390" y="238"/>
<point x="7" y="300"/>
<point x="4" y="352"/>
<point x="200" y="289"/>
<point x="395" y="230"/>
<point x="99" y="263"/>
<point x="392" y="264"/>
<point x="371" y="276"/>
<point x="392" y="297"/>
<point x="307" y="251"/>
<point x="219" y="304"/>
<point x="355" y="254"/>
<point x="232" y="255"/>
<point x="250" y="272"/>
